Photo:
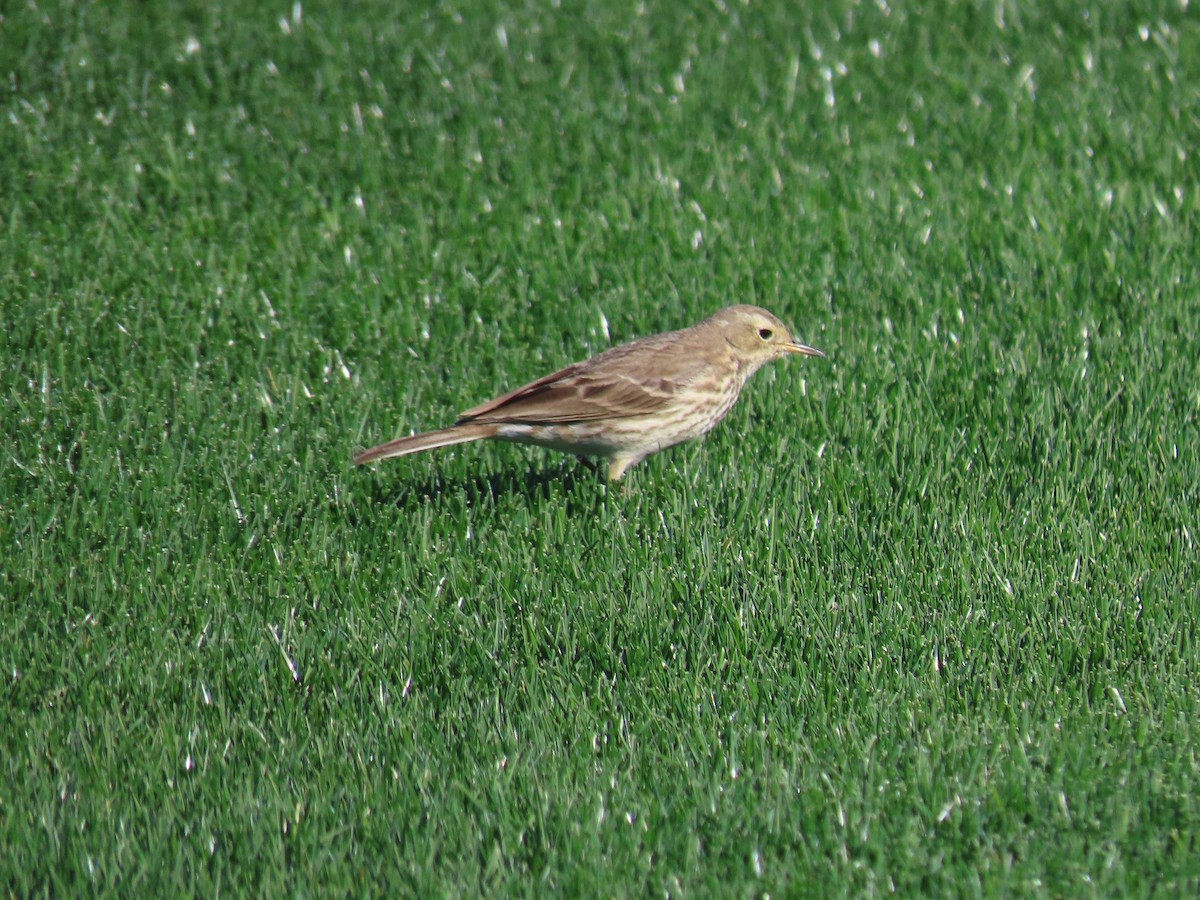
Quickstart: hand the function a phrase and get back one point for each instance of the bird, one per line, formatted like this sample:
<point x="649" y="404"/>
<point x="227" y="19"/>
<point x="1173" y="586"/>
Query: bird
<point x="628" y="402"/>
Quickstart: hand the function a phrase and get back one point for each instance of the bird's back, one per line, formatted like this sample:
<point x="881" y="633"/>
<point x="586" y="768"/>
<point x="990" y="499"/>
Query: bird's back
<point x="643" y="377"/>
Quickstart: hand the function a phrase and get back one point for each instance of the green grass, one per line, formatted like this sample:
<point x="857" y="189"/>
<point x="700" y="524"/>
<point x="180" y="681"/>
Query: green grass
<point x="920" y="617"/>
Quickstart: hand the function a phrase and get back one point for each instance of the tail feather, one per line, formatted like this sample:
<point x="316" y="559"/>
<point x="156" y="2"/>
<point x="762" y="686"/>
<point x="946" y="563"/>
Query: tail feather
<point x="443" y="437"/>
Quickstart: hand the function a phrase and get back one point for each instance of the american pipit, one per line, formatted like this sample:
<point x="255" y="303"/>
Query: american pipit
<point x="630" y="401"/>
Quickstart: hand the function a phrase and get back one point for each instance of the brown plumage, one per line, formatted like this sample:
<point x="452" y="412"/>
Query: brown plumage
<point x="630" y="401"/>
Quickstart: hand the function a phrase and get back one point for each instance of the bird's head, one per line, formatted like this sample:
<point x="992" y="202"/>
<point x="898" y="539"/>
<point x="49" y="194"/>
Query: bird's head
<point x="756" y="337"/>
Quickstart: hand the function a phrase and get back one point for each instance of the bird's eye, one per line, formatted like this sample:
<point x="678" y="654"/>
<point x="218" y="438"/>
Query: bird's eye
<point x="765" y="333"/>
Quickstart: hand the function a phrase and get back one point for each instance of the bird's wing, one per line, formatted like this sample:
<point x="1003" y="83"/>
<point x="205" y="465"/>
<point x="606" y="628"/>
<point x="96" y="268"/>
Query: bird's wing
<point x="601" y="388"/>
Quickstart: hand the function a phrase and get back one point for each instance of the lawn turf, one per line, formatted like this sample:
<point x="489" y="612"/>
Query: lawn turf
<point x="918" y="617"/>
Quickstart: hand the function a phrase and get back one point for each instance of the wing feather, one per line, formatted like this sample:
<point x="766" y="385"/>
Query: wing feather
<point x="607" y="386"/>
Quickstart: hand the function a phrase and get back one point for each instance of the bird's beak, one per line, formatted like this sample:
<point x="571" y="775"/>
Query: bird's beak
<point x="802" y="349"/>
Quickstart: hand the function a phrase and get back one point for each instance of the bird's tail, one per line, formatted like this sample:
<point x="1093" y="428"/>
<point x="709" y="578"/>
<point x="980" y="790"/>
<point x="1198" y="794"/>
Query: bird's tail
<point x="443" y="437"/>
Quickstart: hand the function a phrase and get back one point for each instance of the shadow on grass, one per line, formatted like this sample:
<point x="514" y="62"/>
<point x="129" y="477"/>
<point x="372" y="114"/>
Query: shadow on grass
<point x="544" y="483"/>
